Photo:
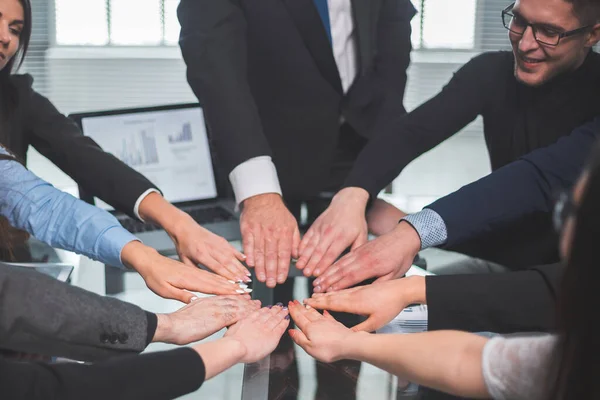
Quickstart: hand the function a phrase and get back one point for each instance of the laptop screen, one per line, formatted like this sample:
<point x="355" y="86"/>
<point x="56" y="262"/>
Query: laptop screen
<point x="169" y="147"/>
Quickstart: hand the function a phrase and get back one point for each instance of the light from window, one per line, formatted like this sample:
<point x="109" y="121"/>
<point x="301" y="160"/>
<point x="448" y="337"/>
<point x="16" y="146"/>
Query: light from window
<point x="81" y="22"/>
<point x="135" y="22"/>
<point x="449" y="24"/>
<point x="172" y="26"/>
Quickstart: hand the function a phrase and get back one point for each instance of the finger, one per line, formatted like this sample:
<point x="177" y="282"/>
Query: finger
<point x="307" y="254"/>
<point x="296" y="311"/>
<point x="366" y="326"/>
<point x="335" y="249"/>
<point x="304" y="242"/>
<point x="351" y="276"/>
<point x="271" y="243"/>
<point x="170" y="292"/>
<point x="341" y="302"/>
<point x="318" y="253"/>
<point x="211" y="262"/>
<point x="186" y="260"/>
<point x="276" y="318"/>
<point x="283" y="258"/>
<point x="282" y="326"/>
<point x="360" y="240"/>
<point x="267" y="313"/>
<point x="196" y="280"/>
<point x="296" y="242"/>
<point x="248" y="246"/>
<point x="259" y="257"/>
<point x="328" y="316"/>
<point x="299" y="338"/>
<point x="238" y="254"/>
<point x="235" y="268"/>
<point x="311" y="314"/>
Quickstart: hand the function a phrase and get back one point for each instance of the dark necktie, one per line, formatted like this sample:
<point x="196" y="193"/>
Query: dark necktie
<point x="324" y="14"/>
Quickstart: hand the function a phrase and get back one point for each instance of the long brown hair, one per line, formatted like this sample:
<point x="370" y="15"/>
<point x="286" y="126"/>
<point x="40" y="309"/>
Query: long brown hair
<point x="10" y="237"/>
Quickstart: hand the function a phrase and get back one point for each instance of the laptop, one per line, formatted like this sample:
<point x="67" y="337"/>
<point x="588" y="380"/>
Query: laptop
<point x="170" y="146"/>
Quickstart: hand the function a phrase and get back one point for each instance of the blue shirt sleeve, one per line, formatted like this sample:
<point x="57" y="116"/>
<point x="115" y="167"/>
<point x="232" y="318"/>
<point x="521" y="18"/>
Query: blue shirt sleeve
<point x="57" y="218"/>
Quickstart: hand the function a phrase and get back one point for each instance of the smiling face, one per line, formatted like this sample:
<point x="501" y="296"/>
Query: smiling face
<point x="535" y="63"/>
<point x="11" y="26"/>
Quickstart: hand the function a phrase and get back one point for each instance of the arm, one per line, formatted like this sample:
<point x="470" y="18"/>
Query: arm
<point x="59" y="139"/>
<point x="66" y="321"/>
<point x="63" y="221"/>
<point x="518" y="189"/>
<point x="58" y="218"/>
<point x="405" y="137"/>
<point x="446" y="360"/>
<point x="521" y="301"/>
<point x="162" y="375"/>
<point x="399" y="139"/>
<point x="213" y="44"/>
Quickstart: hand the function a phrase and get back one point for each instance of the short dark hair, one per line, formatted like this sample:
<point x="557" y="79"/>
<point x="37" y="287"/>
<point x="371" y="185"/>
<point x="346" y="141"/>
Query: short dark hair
<point x="588" y="11"/>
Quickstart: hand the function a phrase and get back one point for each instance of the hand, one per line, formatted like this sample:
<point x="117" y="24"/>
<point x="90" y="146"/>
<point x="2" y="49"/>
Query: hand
<point x="340" y="226"/>
<point x="383" y="217"/>
<point x="260" y="332"/>
<point x="321" y="336"/>
<point x="196" y="245"/>
<point x="201" y="318"/>
<point x="270" y="237"/>
<point x="387" y="257"/>
<point x="171" y="279"/>
<point x="380" y="302"/>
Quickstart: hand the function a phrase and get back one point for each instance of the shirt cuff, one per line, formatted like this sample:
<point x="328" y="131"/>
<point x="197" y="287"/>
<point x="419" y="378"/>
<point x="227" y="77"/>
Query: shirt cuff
<point x="110" y="245"/>
<point x="256" y="176"/>
<point x="152" y="326"/>
<point x="136" y="207"/>
<point x="430" y="226"/>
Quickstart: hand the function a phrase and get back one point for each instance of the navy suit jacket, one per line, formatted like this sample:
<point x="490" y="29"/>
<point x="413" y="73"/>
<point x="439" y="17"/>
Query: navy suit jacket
<point x="265" y="74"/>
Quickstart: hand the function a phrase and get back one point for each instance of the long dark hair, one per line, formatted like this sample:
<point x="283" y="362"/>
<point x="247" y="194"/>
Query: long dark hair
<point x="9" y="98"/>
<point x="577" y="360"/>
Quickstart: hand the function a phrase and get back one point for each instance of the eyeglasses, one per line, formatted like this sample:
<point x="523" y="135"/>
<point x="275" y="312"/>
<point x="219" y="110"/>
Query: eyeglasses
<point x="542" y="33"/>
<point x="564" y="207"/>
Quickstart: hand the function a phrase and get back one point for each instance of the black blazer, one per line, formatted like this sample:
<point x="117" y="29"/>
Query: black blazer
<point x="511" y="302"/>
<point x="153" y="376"/>
<point x="36" y="122"/>
<point x="265" y="74"/>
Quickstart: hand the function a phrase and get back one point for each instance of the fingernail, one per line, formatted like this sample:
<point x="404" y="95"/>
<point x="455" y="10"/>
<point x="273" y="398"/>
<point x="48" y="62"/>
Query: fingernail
<point x="285" y="308"/>
<point x="244" y="256"/>
<point x="279" y="304"/>
<point x="269" y="307"/>
<point x="240" y="291"/>
<point x="271" y="282"/>
<point x="308" y="307"/>
<point x="232" y="282"/>
<point x="281" y="278"/>
<point x="317" y="282"/>
<point x="317" y="289"/>
<point x="287" y="317"/>
<point x="262" y="277"/>
<point x="248" y="290"/>
<point x="317" y="272"/>
<point x="242" y="285"/>
<point x="193" y="299"/>
<point x="247" y="279"/>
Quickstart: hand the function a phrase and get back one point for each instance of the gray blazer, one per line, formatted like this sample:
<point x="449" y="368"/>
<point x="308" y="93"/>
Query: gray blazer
<point x="41" y="315"/>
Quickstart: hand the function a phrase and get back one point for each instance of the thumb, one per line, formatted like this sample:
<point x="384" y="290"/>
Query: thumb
<point x="176" y="294"/>
<point x="360" y="240"/>
<point x="366" y="326"/>
<point x="299" y="338"/>
<point x="328" y="316"/>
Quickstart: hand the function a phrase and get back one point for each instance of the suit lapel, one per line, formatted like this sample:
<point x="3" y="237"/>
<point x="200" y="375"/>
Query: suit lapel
<point x="363" y="11"/>
<point x="307" y="20"/>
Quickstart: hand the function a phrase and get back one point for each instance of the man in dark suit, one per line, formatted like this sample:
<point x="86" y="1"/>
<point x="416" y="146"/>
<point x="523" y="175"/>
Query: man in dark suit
<point x="292" y="90"/>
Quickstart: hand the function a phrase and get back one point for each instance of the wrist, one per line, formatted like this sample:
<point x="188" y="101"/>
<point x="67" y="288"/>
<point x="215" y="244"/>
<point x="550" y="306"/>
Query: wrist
<point x="235" y="348"/>
<point x="352" y="344"/>
<point x="358" y="196"/>
<point x="414" y="290"/>
<point x="164" y="329"/>
<point x="262" y="200"/>
<point x="135" y="255"/>
<point x="406" y="234"/>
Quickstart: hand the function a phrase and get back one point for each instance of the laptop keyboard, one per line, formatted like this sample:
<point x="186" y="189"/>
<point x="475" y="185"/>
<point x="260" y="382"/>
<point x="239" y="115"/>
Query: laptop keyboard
<point x="204" y="215"/>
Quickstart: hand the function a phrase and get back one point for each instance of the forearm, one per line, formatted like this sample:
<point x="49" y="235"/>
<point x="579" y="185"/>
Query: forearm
<point x="156" y="209"/>
<point x="220" y="355"/>
<point x="449" y="361"/>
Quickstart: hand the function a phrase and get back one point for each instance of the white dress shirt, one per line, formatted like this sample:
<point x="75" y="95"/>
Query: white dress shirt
<point x="258" y="175"/>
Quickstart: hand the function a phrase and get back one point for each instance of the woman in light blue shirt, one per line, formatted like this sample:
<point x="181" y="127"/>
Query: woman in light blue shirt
<point x="62" y="221"/>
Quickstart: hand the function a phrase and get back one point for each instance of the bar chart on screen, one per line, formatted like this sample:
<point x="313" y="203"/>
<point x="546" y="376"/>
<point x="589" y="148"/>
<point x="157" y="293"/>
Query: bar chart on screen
<point x="139" y="148"/>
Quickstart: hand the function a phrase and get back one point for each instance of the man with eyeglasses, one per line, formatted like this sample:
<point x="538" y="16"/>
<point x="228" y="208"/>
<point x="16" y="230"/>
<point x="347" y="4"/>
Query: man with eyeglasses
<point x="528" y="98"/>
